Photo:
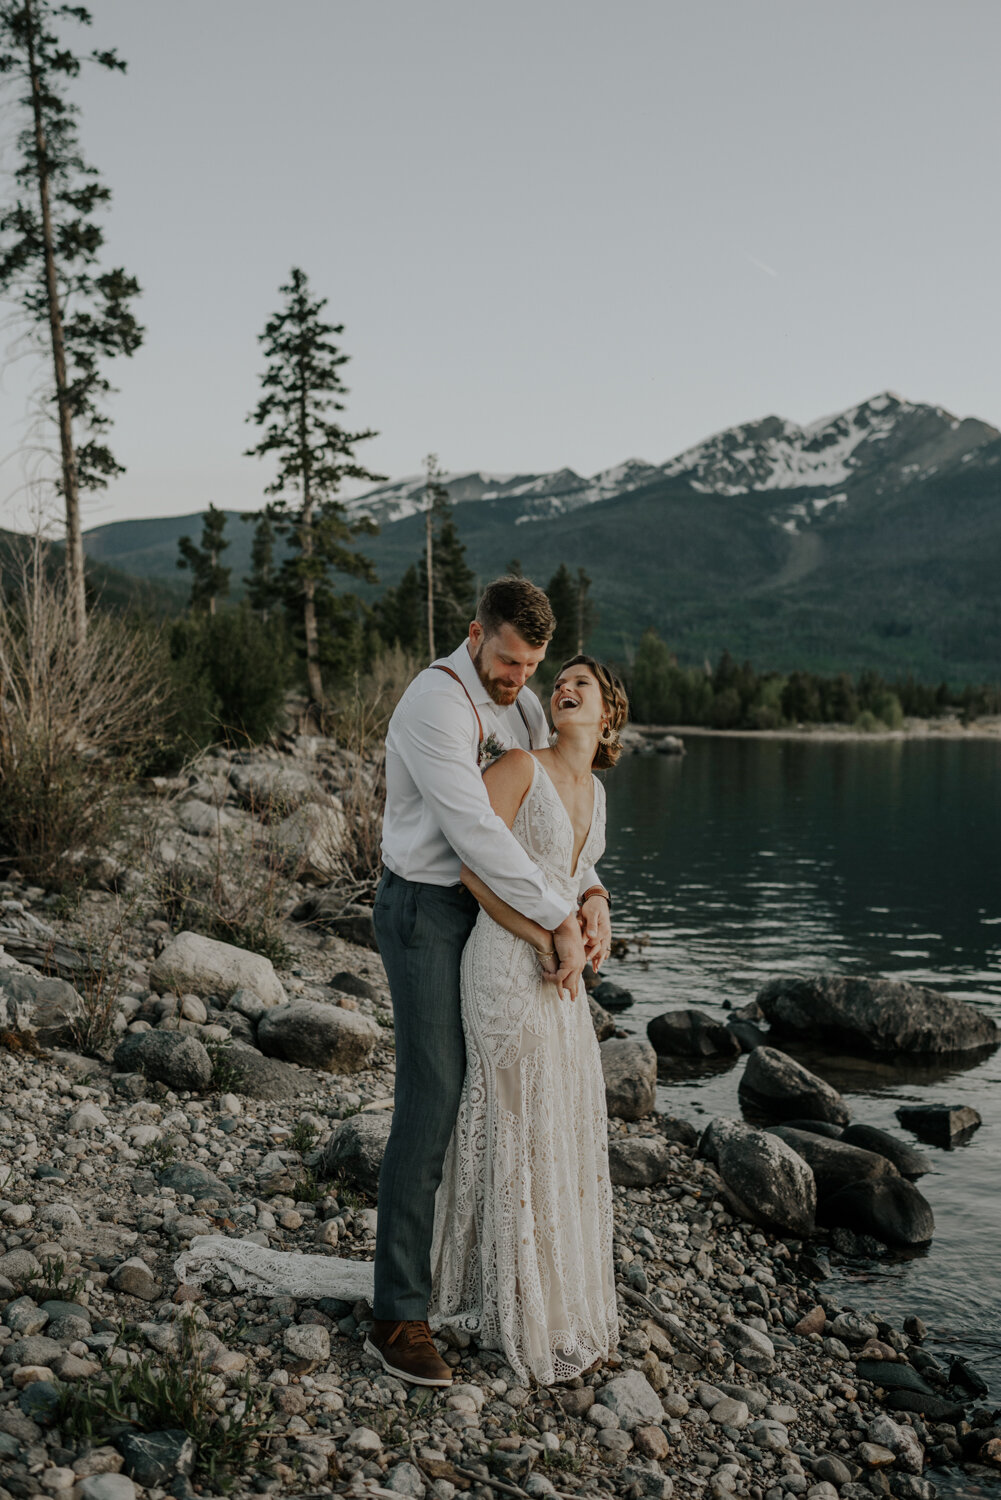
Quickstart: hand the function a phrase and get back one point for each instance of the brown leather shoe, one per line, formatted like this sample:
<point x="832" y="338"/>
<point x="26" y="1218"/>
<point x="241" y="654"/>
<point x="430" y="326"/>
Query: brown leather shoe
<point x="406" y="1350"/>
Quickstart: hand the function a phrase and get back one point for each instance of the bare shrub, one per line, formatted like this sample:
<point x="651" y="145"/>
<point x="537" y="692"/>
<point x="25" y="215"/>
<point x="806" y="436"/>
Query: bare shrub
<point x="238" y="892"/>
<point x="362" y="718"/>
<point x="73" y="716"/>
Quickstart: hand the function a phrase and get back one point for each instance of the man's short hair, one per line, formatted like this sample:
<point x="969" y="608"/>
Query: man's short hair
<point x="516" y="601"/>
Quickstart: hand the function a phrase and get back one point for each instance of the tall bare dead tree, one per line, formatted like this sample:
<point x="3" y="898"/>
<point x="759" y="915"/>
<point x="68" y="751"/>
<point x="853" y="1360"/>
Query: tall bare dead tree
<point x="50" y="241"/>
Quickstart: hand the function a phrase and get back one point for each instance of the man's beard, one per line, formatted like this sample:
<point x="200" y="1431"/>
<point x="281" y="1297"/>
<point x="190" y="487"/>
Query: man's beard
<point x="500" y="693"/>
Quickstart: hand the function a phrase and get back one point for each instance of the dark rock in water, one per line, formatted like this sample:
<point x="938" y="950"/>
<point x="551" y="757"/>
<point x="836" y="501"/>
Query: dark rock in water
<point x="198" y="1182"/>
<point x="170" y="1057"/>
<point x="691" y="1033"/>
<point x="890" y="1208"/>
<point x="637" y="1160"/>
<point x="935" y="1408"/>
<point x="939" y="1124"/>
<point x="892" y="1376"/>
<point x="834" y="1165"/>
<point x="908" y="1162"/>
<point x="604" y="1026"/>
<point x="326" y="909"/>
<point x="817" y="1127"/>
<point x="767" y="1182"/>
<point x="250" y="1072"/>
<point x="355" y="1148"/>
<point x="815" y="1265"/>
<point x="748" y="1035"/>
<point x="876" y="1015"/>
<point x="629" y="1066"/>
<point x="154" y="1458"/>
<point x="354" y="984"/>
<point x="612" y="996"/>
<point x="863" y="1246"/>
<point x="961" y="1372"/>
<point x="927" y="1365"/>
<point x="683" y="1132"/>
<point x="781" y="1088"/>
<point x="915" y="1328"/>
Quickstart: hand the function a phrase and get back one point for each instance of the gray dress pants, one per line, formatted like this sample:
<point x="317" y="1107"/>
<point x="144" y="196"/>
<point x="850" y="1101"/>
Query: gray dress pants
<point x="421" y="930"/>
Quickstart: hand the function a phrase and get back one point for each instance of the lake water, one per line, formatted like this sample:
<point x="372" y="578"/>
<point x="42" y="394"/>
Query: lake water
<point x="748" y="859"/>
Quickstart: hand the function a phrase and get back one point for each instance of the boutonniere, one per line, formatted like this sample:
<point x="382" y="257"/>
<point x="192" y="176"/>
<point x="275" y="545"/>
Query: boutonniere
<point x="490" y="750"/>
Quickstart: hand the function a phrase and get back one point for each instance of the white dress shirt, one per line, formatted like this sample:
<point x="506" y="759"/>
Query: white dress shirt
<point x="438" y="814"/>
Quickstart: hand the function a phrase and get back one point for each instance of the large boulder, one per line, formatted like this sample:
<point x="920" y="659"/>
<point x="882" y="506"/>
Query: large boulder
<point x="50" y="1009"/>
<point x="889" y="1208"/>
<point x="168" y="1057"/>
<point x="630" y="1070"/>
<point x="309" y="841"/>
<point x="247" y="1071"/>
<point x="767" y="1181"/>
<point x="908" y="1161"/>
<point x="196" y="965"/>
<point x="691" y="1033"/>
<point x="356" y="1147"/>
<point x="318" y="1036"/>
<point x="875" y="1015"/>
<point x="834" y="1164"/>
<point x="781" y="1088"/>
<point x="638" y="1160"/>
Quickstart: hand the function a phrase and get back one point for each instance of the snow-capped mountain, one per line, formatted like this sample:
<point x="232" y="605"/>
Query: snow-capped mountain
<point x="885" y="440"/>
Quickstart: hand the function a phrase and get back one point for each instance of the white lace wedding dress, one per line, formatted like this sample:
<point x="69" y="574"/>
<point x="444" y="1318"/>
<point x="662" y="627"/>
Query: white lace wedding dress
<point x="522" y="1250"/>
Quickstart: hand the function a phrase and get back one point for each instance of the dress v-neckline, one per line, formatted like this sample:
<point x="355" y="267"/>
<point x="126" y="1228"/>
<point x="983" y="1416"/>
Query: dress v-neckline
<point x="566" y="811"/>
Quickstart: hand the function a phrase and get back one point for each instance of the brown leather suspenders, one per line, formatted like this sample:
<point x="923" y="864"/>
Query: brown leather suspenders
<point x="440" y="667"/>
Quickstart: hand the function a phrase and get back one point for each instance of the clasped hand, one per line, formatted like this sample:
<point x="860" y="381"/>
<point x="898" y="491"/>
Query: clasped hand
<point x="585" y="937"/>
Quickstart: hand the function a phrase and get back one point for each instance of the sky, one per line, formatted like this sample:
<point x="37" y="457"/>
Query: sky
<point x="557" y="232"/>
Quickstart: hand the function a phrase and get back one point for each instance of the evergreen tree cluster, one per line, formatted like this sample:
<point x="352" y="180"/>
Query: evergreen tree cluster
<point x="734" y="696"/>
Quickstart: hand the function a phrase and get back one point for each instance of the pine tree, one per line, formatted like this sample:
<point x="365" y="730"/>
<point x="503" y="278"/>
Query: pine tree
<point x="209" y="579"/>
<point x="562" y="595"/>
<point x="302" y="385"/>
<point x="451" y="591"/>
<point x="50" y="240"/>
<point x="262" y="589"/>
<point x="571" y="604"/>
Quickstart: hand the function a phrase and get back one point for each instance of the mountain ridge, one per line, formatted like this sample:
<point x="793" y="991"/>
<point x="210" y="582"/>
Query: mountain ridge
<point x="868" y="538"/>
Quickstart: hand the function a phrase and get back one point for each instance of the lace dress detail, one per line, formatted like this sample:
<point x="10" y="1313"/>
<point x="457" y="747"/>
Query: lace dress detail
<point x="522" y="1249"/>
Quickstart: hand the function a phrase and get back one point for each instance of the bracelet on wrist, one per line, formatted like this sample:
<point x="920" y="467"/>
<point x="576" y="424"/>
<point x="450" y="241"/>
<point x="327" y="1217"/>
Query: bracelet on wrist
<point x="595" y="890"/>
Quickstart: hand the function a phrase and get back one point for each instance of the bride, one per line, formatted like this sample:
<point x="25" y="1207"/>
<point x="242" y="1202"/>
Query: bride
<point x="522" y="1248"/>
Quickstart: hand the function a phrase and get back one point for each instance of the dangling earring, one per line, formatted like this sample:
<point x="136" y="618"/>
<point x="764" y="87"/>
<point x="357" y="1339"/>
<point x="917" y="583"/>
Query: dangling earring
<point x="606" y="733"/>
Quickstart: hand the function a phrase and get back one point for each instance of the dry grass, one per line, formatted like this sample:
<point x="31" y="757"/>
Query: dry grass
<point x="73" y="715"/>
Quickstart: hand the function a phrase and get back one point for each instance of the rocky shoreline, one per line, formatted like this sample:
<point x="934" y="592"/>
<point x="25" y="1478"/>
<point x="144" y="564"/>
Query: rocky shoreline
<point x="231" y="1097"/>
<point x="649" y="738"/>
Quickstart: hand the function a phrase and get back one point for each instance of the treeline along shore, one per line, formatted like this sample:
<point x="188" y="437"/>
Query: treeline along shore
<point x="197" y="1039"/>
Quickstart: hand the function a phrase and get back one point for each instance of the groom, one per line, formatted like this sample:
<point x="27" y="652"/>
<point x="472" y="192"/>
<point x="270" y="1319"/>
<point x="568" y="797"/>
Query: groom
<point x="454" y="717"/>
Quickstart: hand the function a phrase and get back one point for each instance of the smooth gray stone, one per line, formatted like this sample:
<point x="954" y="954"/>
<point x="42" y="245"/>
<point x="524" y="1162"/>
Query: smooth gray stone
<point x="908" y="1162"/>
<point x="834" y="1164"/>
<point x="892" y="1376"/>
<point x="876" y="1015"/>
<point x="780" y="1088"/>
